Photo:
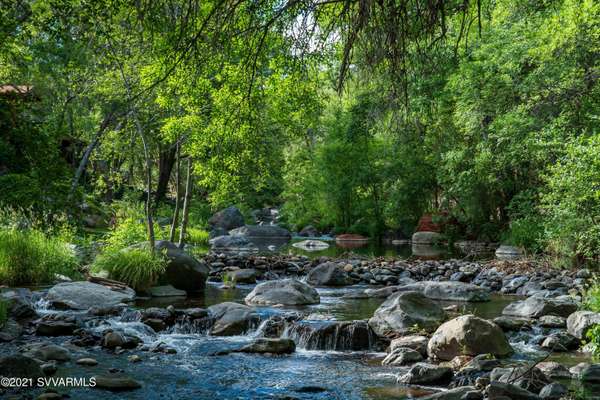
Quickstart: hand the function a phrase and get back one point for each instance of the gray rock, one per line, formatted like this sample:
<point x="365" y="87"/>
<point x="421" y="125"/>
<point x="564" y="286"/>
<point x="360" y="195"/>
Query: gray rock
<point x="166" y="291"/>
<point x="591" y="374"/>
<point x="576" y="370"/>
<point x="458" y="393"/>
<point x="309" y="231"/>
<point x="505" y="252"/>
<point x="500" y="390"/>
<point x="327" y="274"/>
<point x="449" y="291"/>
<point x="55" y="328"/>
<point x="468" y="335"/>
<point x="114" y="339"/>
<point x="402" y="356"/>
<point x="415" y="342"/>
<point x="552" y="321"/>
<point x="18" y="303"/>
<point x="88" y="362"/>
<point x="426" y="238"/>
<point x="183" y="271"/>
<point x="535" y="307"/>
<point x="247" y="275"/>
<point x="261" y="231"/>
<point x="553" y="370"/>
<point x="311" y="245"/>
<point x="423" y="373"/>
<point x="10" y="331"/>
<point x="524" y="377"/>
<point x="232" y="319"/>
<point x="511" y="323"/>
<point x="554" y="391"/>
<point x="579" y="322"/>
<point x="404" y="311"/>
<point x="273" y="346"/>
<point x="227" y="219"/>
<point x="286" y="292"/>
<point x="47" y="352"/>
<point x="20" y="366"/>
<point x="84" y="295"/>
<point x="227" y="242"/>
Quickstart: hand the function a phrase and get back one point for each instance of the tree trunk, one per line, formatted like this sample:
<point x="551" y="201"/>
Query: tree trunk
<point x="108" y="119"/>
<point x="149" y="219"/>
<point x="166" y="160"/>
<point x="186" y="203"/>
<point x="177" y="195"/>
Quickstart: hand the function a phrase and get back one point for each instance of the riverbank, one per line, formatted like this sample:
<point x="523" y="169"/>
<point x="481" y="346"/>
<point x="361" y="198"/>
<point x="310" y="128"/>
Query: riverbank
<point x="349" y="328"/>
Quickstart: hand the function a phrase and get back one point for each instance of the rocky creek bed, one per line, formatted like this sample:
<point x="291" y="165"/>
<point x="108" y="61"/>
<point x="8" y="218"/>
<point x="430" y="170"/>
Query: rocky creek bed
<point x="346" y="328"/>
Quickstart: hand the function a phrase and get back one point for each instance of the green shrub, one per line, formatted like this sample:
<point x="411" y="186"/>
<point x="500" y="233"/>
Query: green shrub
<point x="197" y="236"/>
<point x="137" y="267"/>
<point x="30" y="257"/>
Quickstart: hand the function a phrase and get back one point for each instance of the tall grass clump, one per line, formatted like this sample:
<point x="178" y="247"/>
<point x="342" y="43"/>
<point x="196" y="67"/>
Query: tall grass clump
<point x="139" y="268"/>
<point x="32" y="257"/>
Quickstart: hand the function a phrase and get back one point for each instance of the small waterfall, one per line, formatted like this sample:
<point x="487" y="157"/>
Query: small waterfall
<point x="332" y="335"/>
<point x="197" y="326"/>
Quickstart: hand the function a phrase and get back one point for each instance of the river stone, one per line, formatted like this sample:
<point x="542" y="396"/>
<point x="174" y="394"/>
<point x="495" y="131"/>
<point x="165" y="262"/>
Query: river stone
<point x="232" y="319"/>
<point x="449" y="291"/>
<point x="47" y="352"/>
<point x="426" y="237"/>
<point x="468" y="335"/>
<point x="500" y="390"/>
<point x="20" y="366"/>
<point x="424" y="373"/>
<point x="505" y="252"/>
<point x="511" y="323"/>
<point x="88" y="362"/>
<point x="554" y="391"/>
<point x="55" y="328"/>
<point x="267" y="345"/>
<point x="309" y="231"/>
<point x="84" y="295"/>
<point x="246" y="275"/>
<point x="183" y="271"/>
<point x="458" y="393"/>
<point x="402" y="312"/>
<point x="19" y="303"/>
<point x="552" y="321"/>
<point x="580" y="322"/>
<point x="591" y="374"/>
<point x="577" y="369"/>
<point x="327" y="274"/>
<point x="227" y="219"/>
<point x="415" y="342"/>
<point x="262" y="231"/>
<point x="525" y="377"/>
<point x="116" y="383"/>
<point x="553" y="370"/>
<point x="10" y="331"/>
<point x="402" y="356"/>
<point x="287" y="292"/>
<point x="535" y="307"/>
<point x="166" y="291"/>
<point x="227" y="242"/>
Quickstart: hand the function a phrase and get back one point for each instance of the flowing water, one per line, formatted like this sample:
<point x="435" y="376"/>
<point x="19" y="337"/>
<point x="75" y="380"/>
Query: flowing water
<point x="323" y="367"/>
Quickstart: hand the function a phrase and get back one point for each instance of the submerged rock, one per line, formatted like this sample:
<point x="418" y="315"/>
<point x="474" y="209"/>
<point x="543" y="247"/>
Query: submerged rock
<point x="535" y="307"/>
<point x="55" y="328"/>
<point x="116" y="383"/>
<point x="232" y="319"/>
<point x="166" y="291"/>
<point x="404" y="311"/>
<point x="270" y="345"/>
<point x="286" y="292"/>
<point x="47" y="352"/>
<point x="311" y="245"/>
<point x="449" y="290"/>
<point x="327" y="274"/>
<point x="85" y="295"/>
<point x="468" y="335"/>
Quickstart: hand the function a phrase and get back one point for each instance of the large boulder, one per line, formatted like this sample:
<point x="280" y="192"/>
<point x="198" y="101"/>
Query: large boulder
<point x="287" y="292"/>
<point x="402" y="312"/>
<point x="20" y="366"/>
<point x="468" y="335"/>
<point x="83" y="295"/>
<point x="327" y="274"/>
<point x="232" y="319"/>
<point x="227" y="242"/>
<point x="227" y="219"/>
<point x="262" y="231"/>
<point x="426" y="237"/>
<point x="536" y="306"/>
<point x="580" y="322"/>
<point x="449" y="291"/>
<point x="183" y="271"/>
